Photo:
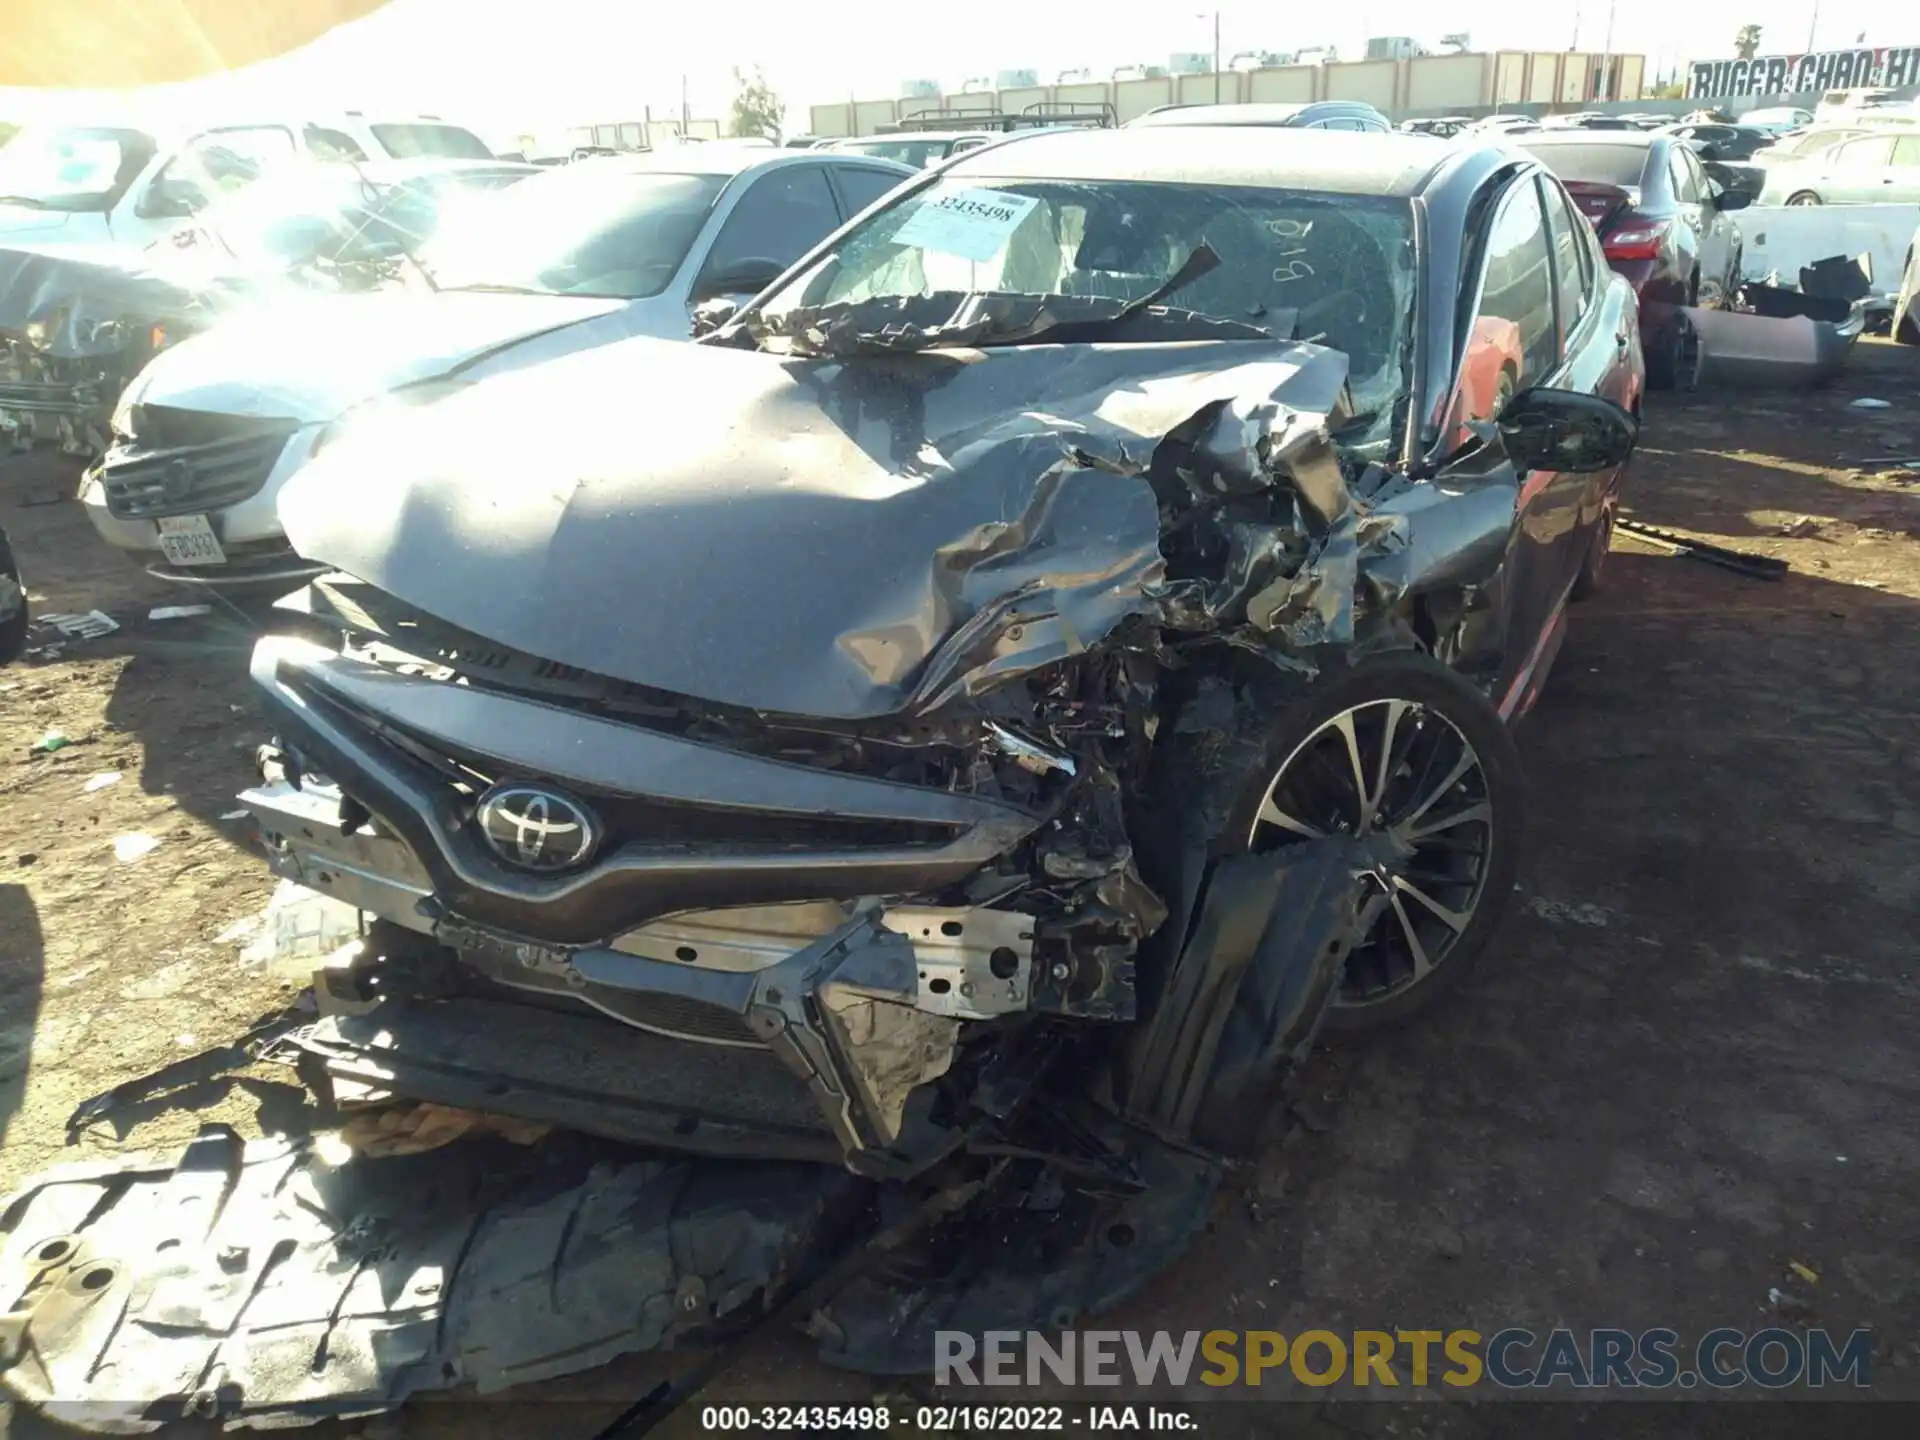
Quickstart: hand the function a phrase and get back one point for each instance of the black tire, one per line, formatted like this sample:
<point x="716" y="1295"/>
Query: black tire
<point x="13" y="606"/>
<point x="1226" y="785"/>
<point x="1803" y="197"/>
<point x="1671" y="361"/>
<point x="1588" y="580"/>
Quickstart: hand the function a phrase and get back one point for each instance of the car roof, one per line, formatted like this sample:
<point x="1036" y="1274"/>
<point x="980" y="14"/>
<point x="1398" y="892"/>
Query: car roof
<point x="909" y="137"/>
<point x="720" y="158"/>
<point x="1344" y="162"/>
<point x="1638" y="139"/>
<point x="1257" y="113"/>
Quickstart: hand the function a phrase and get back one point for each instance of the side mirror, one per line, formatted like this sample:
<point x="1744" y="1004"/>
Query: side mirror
<point x="710" y="315"/>
<point x="1566" y="430"/>
<point x="1733" y="200"/>
<point x="738" y="277"/>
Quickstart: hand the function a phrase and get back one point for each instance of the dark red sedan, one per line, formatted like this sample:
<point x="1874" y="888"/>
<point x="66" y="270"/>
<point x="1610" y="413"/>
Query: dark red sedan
<point x="1663" y="223"/>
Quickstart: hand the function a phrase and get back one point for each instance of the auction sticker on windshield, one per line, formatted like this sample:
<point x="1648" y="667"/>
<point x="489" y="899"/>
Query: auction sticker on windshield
<point x="973" y="224"/>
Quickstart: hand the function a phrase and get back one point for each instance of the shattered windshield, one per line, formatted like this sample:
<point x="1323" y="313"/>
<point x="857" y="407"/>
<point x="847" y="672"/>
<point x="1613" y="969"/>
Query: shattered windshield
<point x="1298" y="264"/>
<point x="72" y="168"/>
<point x="594" y="229"/>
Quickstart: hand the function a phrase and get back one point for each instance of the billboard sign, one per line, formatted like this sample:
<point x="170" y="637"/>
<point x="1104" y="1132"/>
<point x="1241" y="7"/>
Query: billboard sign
<point x="1799" y="74"/>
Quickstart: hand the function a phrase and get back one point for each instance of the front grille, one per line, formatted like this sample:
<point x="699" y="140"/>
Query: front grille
<point x="141" y="485"/>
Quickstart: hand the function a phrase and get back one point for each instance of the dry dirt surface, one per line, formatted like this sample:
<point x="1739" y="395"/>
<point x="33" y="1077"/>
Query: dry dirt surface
<point x="1686" y="1068"/>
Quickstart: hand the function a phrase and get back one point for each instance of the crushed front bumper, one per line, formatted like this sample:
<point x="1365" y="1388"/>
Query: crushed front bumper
<point x="772" y="959"/>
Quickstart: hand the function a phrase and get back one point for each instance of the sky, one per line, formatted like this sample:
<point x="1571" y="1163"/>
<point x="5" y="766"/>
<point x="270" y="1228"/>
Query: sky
<point x="531" y="66"/>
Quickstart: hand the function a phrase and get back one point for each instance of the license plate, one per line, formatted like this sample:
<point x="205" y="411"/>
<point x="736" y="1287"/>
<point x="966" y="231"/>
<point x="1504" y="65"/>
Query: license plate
<point x="189" y="540"/>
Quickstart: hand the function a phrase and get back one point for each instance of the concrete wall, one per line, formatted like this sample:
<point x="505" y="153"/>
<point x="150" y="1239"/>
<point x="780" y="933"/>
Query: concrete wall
<point x="1134" y="98"/>
<point x="1441" y="81"/>
<point x="1285" y="85"/>
<point x="1509" y="77"/>
<point x="1375" y="81"/>
<point x="1467" y="84"/>
<point x="1543" y="78"/>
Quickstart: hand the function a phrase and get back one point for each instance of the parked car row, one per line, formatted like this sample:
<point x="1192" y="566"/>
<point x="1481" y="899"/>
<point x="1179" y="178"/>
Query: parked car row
<point x="208" y="434"/>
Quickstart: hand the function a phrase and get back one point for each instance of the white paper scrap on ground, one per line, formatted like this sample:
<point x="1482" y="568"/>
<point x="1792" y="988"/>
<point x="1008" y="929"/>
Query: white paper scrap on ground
<point x="973" y="224"/>
<point x="127" y="848"/>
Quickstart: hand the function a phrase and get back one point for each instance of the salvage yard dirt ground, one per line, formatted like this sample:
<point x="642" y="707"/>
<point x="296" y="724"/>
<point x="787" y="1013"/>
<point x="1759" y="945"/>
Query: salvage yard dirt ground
<point x="1683" y="1080"/>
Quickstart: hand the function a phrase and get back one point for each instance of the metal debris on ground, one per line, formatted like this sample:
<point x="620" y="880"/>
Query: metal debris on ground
<point x="1783" y="339"/>
<point x="1867" y="402"/>
<point x="255" y="1284"/>
<point x="128" y="848"/>
<point x="178" y="612"/>
<point x="90" y="626"/>
<point x="1741" y="562"/>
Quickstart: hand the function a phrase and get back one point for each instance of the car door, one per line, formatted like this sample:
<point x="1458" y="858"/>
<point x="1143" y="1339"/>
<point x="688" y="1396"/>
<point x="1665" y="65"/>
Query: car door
<point x="780" y="215"/>
<point x="1719" y="233"/>
<point x="1901" y="184"/>
<point x="1516" y="310"/>
<point x="1690" y="216"/>
<point x="1856" y="171"/>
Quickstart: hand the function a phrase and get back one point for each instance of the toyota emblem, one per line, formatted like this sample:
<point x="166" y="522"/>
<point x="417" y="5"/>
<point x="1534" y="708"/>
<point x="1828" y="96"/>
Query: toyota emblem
<point x="536" y="828"/>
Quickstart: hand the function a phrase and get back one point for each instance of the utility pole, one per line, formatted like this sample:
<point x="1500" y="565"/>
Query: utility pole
<point x="684" y="121"/>
<point x="1216" y="57"/>
<point x="1813" y="25"/>
<point x="1606" y="57"/>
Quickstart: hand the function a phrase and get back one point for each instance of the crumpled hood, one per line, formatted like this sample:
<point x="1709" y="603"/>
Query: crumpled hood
<point x="849" y="538"/>
<point x="310" y="359"/>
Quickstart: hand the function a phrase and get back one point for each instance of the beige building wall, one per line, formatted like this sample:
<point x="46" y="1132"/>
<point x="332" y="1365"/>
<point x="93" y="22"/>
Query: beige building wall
<point x="1448" y="82"/>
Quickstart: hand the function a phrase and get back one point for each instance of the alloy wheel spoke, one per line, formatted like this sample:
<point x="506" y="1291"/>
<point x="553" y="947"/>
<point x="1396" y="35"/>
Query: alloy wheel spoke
<point x="1454" y="920"/>
<point x="1467" y="761"/>
<point x="1422" y="966"/>
<point x="1371" y="798"/>
<point x="1480" y="813"/>
<point x="1363" y="816"/>
<point x="1272" y="814"/>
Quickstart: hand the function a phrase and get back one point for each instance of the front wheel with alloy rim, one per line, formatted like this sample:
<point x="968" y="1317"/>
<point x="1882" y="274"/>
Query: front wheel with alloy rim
<point x="1414" y="760"/>
<point x="1804" y="197"/>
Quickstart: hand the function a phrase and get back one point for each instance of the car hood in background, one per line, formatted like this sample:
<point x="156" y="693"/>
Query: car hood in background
<point x="312" y="359"/>
<point x="841" y="538"/>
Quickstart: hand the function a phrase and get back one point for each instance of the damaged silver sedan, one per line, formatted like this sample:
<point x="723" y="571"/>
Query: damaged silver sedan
<point x="989" y="704"/>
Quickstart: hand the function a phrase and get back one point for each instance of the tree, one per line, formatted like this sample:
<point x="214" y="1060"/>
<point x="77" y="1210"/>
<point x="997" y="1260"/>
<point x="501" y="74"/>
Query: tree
<point x="1746" y="44"/>
<point x="6" y="131"/>
<point x="756" y="109"/>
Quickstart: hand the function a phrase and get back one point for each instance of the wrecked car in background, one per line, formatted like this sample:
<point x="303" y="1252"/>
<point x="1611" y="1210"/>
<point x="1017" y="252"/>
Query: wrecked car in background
<point x="950" y="746"/>
<point x="14" y="617"/>
<point x="1664" y="224"/>
<point x="78" y="323"/>
<point x="129" y="183"/>
<point x="206" y="435"/>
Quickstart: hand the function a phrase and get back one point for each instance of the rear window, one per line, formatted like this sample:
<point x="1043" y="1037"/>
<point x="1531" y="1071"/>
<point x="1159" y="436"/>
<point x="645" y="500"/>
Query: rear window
<point x="1600" y="164"/>
<point x="410" y="142"/>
